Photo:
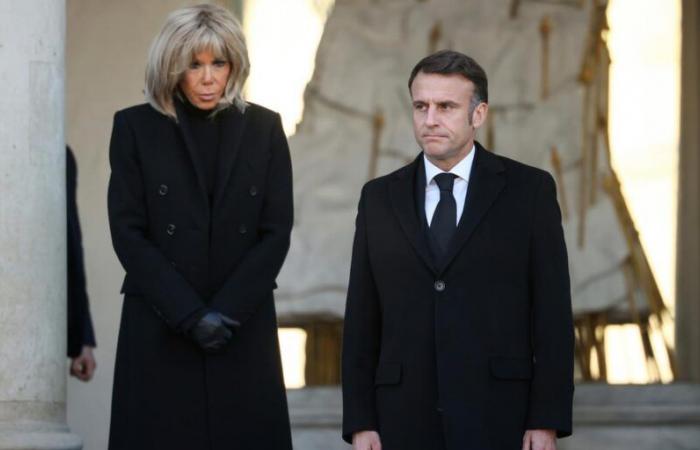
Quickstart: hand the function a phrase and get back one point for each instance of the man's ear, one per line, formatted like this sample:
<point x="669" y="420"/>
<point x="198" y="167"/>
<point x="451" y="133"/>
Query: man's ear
<point x="479" y="114"/>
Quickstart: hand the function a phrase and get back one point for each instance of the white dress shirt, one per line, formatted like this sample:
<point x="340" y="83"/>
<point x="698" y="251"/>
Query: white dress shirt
<point x="459" y="191"/>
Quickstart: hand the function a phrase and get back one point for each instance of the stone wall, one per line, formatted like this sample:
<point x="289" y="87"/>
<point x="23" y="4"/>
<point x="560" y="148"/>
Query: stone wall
<point x="546" y="92"/>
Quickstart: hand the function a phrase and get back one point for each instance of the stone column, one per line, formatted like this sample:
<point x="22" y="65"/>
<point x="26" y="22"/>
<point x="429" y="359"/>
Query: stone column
<point x="688" y="256"/>
<point x="32" y="227"/>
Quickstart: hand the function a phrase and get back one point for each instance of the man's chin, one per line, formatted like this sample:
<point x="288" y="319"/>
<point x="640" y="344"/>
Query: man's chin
<point x="434" y="151"/>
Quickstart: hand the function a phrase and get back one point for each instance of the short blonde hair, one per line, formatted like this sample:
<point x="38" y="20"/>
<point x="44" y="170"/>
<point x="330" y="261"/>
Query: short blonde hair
<point x="186" y="32"/>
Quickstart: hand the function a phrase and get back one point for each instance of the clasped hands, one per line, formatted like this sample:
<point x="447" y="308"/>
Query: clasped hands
<point x="212" y="331"/>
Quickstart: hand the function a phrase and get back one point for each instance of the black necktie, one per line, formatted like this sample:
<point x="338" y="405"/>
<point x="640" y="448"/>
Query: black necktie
<point x="444" y="222"/>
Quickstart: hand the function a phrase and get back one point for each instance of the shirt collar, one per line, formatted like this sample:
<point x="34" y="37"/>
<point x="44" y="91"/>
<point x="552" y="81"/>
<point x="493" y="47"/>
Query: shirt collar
<point x="462" y="169"/>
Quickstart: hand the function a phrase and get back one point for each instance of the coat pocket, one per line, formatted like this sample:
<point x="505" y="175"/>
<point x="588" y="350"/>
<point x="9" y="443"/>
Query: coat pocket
<point x="511" y="368"/>
<point x="387" y="374"/>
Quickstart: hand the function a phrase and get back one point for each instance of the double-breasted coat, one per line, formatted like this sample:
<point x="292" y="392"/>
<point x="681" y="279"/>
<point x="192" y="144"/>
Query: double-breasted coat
<point x="182" y="251"/>
<point x="469" y="351"/>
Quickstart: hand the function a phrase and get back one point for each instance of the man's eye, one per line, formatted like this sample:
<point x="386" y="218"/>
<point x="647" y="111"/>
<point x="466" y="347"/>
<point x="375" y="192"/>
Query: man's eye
<point x="419" y="106"/>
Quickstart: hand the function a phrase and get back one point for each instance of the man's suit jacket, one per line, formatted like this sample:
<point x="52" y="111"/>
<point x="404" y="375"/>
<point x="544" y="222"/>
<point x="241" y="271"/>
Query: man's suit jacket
<point x="182" y="253"/>
<point x="468" y="352"/>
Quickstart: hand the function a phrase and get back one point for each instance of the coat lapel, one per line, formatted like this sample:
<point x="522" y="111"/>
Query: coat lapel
<point x="486" y="182"/>
<point x="232" y="125"/>
<point x="195" y="158"/>
<point x="404" y="200"/>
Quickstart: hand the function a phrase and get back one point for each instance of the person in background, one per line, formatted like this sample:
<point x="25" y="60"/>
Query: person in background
<point x="81" y="336"/>
<point x="200" y="210"/>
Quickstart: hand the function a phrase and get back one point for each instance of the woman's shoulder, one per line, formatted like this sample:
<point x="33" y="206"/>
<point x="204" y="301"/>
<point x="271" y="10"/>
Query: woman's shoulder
<point x="140" y="111"/>
<point x="259" y="112"/>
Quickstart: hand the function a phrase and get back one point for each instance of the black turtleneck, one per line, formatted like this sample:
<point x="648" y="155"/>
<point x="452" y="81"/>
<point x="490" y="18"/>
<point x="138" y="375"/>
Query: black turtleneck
<point x="206" y="133"/>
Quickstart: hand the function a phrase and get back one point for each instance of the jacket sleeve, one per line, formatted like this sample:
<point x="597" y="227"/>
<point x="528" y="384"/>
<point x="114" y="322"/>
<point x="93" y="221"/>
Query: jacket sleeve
<point x="361" y="335"/>
<point x="551" y="392"/>
<point x="254" y="278"/>
<point x="162" y="286"/>
<point x="80" y="331"/>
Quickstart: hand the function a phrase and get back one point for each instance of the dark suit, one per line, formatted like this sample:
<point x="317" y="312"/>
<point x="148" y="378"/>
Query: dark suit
<point x="80" y="331"/>
<point x="180" y="252"/>
<point x="467" y="352"/>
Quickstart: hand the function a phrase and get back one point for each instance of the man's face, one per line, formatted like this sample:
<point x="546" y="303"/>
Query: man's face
<point x="441" y="121"/>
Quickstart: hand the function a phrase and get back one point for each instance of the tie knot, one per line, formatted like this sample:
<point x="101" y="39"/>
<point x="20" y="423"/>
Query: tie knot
<point x="445" y="181"/>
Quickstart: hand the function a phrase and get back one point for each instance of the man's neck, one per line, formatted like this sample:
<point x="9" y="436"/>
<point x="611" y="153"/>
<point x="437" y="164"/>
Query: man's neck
<point x="448" y="163"/>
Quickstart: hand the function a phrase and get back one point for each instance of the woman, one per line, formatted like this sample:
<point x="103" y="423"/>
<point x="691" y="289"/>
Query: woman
<point x="200" y="209"/>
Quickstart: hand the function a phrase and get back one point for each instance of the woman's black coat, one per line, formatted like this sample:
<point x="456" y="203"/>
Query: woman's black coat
<point x="181" y="253"/>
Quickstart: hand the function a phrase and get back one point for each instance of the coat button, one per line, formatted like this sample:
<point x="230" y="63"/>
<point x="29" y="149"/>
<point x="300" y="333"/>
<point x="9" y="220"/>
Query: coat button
<point x="439" y="285"/>
<point x="163" y="189"/>
<point x="242" y="229"/>
<point x="171" y="229"/>
<point x="439" y="410"/>
<point x="253" y="191"/>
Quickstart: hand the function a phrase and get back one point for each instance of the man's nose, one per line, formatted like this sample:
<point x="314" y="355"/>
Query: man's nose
<point x="431" y="116"/>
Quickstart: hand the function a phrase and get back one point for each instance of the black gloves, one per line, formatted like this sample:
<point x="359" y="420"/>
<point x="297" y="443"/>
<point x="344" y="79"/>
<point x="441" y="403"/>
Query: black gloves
<point x="212" y="331"/>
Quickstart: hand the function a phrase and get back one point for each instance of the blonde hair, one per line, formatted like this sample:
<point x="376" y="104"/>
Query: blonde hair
<point x="186" y="32"/>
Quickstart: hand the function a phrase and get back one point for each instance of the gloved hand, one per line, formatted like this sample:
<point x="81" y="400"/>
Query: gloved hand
<point x="213" y="331"/>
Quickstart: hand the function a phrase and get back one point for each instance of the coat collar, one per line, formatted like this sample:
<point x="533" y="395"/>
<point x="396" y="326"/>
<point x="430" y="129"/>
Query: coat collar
<point x="486" y="182"/>
<point x="195" y="158"/>
<point x="233" y="122"/>
<point x="407" y="202"/>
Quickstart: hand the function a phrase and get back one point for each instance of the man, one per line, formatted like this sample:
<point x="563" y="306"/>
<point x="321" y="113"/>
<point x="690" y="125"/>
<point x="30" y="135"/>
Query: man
<point x="81" y="337"/>
<point x="458" y="328"/>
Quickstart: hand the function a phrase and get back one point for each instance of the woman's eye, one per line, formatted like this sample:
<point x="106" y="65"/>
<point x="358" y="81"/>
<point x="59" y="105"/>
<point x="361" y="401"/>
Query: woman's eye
<point x="194" y="65"/>
<point x="220" y="63"/>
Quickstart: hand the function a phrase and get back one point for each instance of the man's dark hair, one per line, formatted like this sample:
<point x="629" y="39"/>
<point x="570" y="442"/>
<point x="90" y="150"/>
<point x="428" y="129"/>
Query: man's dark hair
<point x="448" y="62"/>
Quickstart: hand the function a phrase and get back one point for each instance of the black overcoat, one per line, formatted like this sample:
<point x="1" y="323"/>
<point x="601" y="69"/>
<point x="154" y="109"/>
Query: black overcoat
<point x="180" y="252"/>
<point x="468" y="352"/>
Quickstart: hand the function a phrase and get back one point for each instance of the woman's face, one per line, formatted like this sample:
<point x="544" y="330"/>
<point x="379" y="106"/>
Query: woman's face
<point x="205" y="80"/>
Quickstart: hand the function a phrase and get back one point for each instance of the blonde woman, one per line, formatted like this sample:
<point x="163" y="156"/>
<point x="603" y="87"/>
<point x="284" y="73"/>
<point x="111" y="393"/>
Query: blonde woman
<point x="200" y="209"/>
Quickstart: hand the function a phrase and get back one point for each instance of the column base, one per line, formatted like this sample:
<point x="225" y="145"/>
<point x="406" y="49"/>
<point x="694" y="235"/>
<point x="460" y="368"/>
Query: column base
<point x="38" y="436"/>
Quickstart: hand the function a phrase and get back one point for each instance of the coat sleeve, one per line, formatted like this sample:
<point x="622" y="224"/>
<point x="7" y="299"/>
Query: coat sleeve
<point x="80" y="331"/>
<point x="168" y="292"/>
<point x="551" y="392"/>
<point x="361" y="336"/>
<point x="254" y="278"/>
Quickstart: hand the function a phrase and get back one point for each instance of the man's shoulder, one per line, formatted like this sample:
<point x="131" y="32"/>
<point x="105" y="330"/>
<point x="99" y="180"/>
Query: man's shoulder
<point x="519" y="172"/>
<point x="381" y="183"/>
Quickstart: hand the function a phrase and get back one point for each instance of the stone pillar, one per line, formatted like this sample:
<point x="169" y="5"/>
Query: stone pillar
<point x="688" y="256"/>
<point x="32" y="228"/>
